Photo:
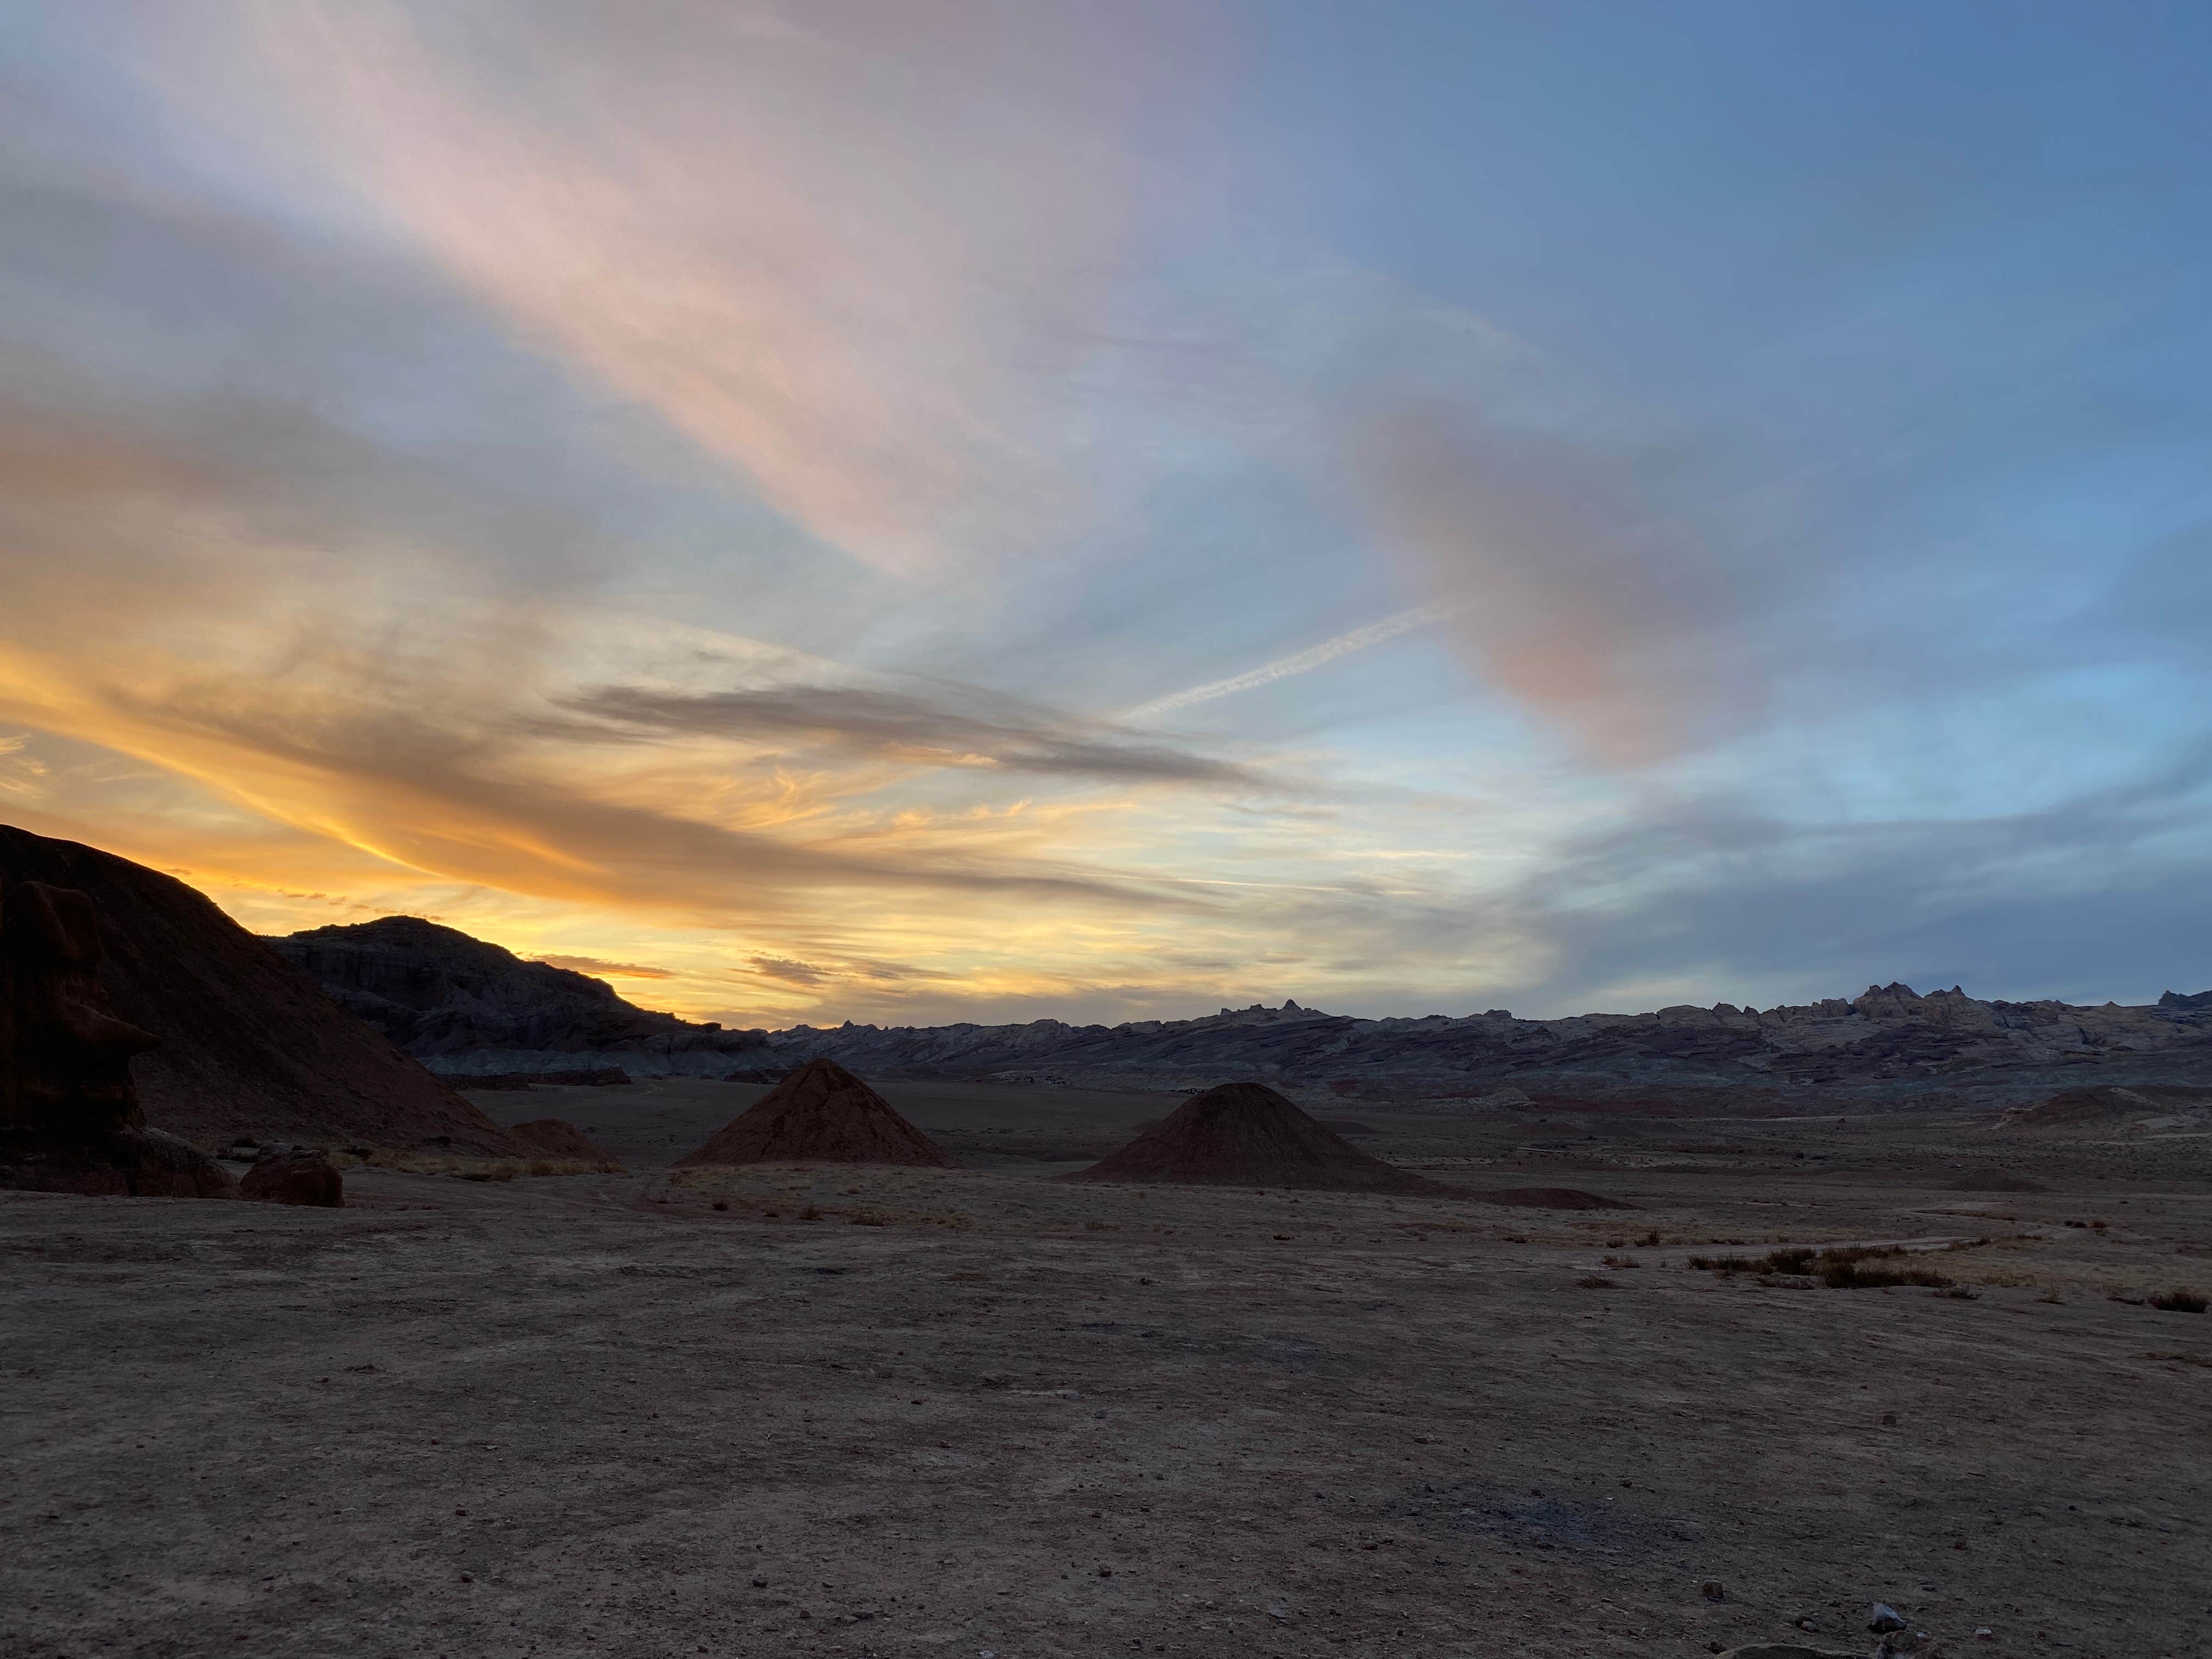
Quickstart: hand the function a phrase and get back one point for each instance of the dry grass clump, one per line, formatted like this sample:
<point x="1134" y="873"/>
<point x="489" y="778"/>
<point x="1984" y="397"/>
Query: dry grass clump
<point x="1848" y="1268"/>
<point x="1594" y="1282"/>
<point x="2179" y="1300"/>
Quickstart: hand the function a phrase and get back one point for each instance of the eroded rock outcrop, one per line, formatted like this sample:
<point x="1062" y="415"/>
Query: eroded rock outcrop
<point x="69" y="1116"/>
<point x="462" y="1005"/>
<point x="249" y="1046"/>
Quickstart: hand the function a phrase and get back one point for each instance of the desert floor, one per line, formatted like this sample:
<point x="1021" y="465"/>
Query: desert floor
<point x="980" y="1412"/>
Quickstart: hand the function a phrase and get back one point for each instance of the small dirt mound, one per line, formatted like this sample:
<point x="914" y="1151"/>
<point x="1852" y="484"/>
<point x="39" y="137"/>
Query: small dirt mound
<point x="1245" y="1134"/>
<point x="822" y="1114"/>
<point x="555" y="1139"/>
<point x="1552" y="1198"/>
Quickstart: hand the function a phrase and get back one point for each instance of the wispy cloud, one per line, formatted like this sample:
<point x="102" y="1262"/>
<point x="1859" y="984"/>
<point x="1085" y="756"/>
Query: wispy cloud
<point x="605" y="969"/>
<point x="1304" y="662"/>
<point x="861" y="315"/>
<point x="997" y="732"/>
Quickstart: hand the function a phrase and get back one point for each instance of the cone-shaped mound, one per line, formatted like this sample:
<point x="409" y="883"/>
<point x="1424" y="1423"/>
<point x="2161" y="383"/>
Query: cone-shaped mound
<point x="820" y="1113"/>
<point x="1245" y="1134"/>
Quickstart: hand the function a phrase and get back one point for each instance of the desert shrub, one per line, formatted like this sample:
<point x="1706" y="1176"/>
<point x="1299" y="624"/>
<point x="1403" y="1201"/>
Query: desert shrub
<point x="810" y="1213"/>
<point x="1622" y="1261"/>
<point x="1650" y="1240"/>
<point x="1859" y="1276"/>
<point x="2179" y="1300"/>
<point x="1846" y="1267"/>
<point x="1594" y="1282"/>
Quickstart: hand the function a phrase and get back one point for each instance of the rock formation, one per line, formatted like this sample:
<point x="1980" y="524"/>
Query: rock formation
<point x="462" y="1005"/>
<point x="295" y="1177"/>
<point x="70" y="1117"/>
<point x="820" y="1113"/>
<point x="1888" y="1045"/>
<point x="548" y="1137"/>
<point x="1245" y="1134"/>
<point x="468" y="1007"/>
<point x="249" y="1045"/>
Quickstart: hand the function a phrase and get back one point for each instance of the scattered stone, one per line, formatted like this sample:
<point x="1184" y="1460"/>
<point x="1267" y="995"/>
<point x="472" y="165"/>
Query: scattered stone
<point x="1885" y="1619"/>
<point x="1713" y="1591"/>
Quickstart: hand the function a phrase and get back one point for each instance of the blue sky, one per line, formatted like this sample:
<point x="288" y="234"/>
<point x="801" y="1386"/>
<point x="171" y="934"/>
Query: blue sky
<point x="934" y="511"/>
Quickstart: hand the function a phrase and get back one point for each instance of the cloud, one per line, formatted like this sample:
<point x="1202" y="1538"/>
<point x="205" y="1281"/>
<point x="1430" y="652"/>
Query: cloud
<point x="1302" y="662"/>
<point x="999" y="733"/>
<point x="596" y="966"/>
<point x="2092" y="896"/>
<point x="791" y="972"/>
<point x="1592" y="580"/>
<point x="865" y="314"/>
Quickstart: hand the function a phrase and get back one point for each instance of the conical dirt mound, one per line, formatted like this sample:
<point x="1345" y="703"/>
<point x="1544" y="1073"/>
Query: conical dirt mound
<point x="1245" y="1134"/>
<point x="820" y="1113"/>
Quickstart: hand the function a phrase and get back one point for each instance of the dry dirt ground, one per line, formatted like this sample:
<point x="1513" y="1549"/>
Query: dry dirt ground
<point x="977" y="1412"/>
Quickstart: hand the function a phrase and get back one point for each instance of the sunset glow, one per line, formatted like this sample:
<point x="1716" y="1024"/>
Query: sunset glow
<point x="920" y="512"/>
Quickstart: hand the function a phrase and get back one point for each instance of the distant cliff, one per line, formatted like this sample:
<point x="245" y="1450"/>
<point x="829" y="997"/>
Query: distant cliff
<point x="1888" y="1043"/>
<point x="461" y="1005"/>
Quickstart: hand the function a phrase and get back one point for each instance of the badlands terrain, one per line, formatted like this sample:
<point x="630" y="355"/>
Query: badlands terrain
<point x="978" y="1410"/>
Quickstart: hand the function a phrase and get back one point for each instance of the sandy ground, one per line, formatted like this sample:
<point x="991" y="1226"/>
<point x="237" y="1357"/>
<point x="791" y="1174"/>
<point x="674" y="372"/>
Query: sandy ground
<point x="979" y="1413"/>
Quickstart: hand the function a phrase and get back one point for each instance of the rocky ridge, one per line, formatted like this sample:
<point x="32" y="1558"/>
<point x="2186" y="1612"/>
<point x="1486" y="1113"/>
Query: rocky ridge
<point x="466" y="1008"/>
<point x="1890" y="1041"/>
<point x="248" y="1045"/>
<point x="463" y="1007"/>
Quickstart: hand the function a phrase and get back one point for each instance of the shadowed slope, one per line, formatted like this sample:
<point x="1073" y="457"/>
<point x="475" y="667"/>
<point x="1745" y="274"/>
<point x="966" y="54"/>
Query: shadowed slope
<point x="1245" y="1134"/>
<point x="552" y="1136"/>
<point x="820" y="1113"/>
<point x="249" y="1044"/>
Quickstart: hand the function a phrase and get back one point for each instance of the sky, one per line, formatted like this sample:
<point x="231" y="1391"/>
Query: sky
<point x="924" y="510"/>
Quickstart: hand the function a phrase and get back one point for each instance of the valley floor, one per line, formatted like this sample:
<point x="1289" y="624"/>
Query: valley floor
<point x="980" y="1412"/>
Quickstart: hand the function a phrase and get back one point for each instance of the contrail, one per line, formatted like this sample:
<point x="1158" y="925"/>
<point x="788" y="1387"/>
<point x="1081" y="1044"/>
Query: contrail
<point x="1421" y="615"/>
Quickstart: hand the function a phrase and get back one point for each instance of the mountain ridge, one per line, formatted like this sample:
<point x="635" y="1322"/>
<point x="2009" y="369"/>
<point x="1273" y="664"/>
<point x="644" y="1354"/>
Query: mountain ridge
<point x="462" y="1004"/>
<point x="1889" y="1042"/>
